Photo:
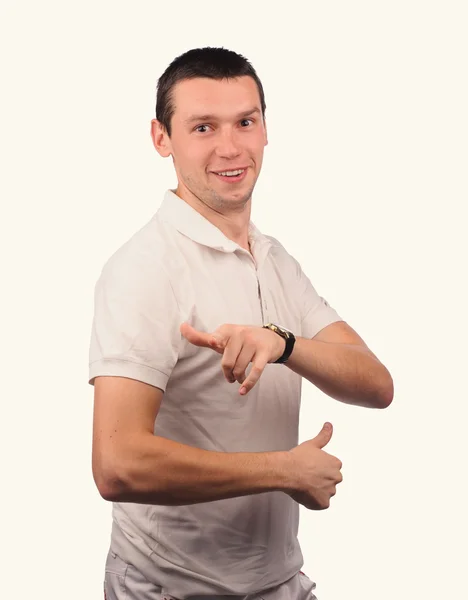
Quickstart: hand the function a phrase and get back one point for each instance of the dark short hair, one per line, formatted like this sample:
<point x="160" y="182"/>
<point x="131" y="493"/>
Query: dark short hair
<point x="214" y="63"/>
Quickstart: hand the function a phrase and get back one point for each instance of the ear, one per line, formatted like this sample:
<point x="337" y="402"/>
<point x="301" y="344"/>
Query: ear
<point x="266" y="132"/>
<point x="161" y="140"/>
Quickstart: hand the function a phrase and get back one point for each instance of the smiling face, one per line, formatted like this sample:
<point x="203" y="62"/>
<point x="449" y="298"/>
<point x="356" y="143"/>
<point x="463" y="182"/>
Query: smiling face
<point x="217" y="127"/>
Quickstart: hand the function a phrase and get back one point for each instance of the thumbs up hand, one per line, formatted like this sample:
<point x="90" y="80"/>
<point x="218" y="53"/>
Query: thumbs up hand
<point x="315" y="472"/>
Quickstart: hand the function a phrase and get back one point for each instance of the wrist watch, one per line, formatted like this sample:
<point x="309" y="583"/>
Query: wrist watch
<point x="286" y="335"/>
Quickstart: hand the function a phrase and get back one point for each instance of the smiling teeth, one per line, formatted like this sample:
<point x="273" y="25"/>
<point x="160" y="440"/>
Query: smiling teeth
<point x="231" y="173"/>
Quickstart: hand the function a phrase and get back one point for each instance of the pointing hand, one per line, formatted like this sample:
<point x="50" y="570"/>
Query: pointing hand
<point x="239" y="345"/>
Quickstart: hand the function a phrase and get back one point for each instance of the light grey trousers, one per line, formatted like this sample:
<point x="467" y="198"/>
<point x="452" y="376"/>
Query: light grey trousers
<point x="125" y="582"/>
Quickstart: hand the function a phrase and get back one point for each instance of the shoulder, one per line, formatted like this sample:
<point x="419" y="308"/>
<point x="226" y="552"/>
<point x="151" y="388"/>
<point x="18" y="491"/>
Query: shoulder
<point x="146" y="254"/>
<point x="282" y="258"/>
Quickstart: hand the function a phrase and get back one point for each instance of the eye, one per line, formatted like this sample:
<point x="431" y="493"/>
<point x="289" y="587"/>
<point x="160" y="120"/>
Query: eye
<point x="246" y="121"/>
<point x="200" y="127"/>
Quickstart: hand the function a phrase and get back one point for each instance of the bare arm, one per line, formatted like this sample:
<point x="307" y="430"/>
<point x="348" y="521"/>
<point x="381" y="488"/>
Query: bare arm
<point x="130" y="464"/>
<point x="338" y="362"/>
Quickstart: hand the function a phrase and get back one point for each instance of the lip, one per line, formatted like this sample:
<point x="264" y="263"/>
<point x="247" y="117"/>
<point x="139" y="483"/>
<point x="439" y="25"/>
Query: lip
<point x="235" y="178"/>
<point x="229" y="169"/>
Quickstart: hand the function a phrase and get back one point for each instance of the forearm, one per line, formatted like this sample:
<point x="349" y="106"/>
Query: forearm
<point x="161" y="471"/>
<point x="347" y="372"/>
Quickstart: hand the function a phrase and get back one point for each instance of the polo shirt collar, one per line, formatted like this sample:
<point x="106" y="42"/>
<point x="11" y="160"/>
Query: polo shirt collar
<point x="192" y="224"/>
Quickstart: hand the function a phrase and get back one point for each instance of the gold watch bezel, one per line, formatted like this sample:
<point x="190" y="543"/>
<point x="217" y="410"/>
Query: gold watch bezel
<point x="279" y="330"/>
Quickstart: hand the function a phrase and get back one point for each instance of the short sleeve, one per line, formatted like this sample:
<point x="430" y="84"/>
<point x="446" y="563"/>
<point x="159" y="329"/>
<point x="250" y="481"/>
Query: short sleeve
<point x="316" y="312"/>
<point x="135" y="330"/>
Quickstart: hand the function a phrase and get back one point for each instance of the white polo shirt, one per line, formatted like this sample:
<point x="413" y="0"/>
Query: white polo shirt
<point x="180" y="267"/>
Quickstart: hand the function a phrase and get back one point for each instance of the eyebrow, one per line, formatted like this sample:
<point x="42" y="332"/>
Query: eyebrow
<point x="206" y="117"/>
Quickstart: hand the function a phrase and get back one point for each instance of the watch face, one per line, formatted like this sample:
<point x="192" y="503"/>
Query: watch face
<point x="284" y="328"/>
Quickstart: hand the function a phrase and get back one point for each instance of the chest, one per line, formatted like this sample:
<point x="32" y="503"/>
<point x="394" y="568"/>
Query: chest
<point x="235" y="291"/>
<point x="200" y="406"/>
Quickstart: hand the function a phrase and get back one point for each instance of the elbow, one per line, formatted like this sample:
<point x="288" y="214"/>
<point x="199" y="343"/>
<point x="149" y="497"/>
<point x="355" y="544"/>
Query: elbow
<point x="111" y="485"/>
<point x="386" y="391"/>
<point x="127" y="483"/>
<point x="110" y="489"/>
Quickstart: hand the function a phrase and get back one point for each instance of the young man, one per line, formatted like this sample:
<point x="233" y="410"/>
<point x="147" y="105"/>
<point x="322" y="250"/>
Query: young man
<point x="205" y="477"/>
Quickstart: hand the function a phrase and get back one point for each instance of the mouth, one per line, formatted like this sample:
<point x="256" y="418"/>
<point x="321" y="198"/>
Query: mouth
<point x="231" y="175"/>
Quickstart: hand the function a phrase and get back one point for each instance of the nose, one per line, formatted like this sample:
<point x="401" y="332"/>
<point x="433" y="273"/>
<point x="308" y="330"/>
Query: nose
<point x="227" y="146"/>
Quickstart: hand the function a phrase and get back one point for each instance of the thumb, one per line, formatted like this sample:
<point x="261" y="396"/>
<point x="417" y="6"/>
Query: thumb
<point x="324" y="435"/>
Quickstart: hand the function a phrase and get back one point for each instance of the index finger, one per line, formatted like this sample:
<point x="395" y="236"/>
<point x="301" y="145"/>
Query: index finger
<point x="194" y="336"/>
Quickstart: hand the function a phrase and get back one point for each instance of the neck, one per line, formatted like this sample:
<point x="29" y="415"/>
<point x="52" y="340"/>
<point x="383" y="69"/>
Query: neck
<point x="233" y="223"/>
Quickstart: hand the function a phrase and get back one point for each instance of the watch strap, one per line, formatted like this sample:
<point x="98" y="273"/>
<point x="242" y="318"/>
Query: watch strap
<point x="288" y="337"/>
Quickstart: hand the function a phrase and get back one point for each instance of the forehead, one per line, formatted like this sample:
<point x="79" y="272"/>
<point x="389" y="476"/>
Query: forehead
<point x="223" y="97"/>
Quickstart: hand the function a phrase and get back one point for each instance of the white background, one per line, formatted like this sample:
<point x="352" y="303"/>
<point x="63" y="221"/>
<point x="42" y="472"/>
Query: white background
<point x="364" y="182"/>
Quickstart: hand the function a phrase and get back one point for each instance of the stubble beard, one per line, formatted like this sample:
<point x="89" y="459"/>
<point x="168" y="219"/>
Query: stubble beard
<point x="220" y="203"/>
<point x="226" y="203"/>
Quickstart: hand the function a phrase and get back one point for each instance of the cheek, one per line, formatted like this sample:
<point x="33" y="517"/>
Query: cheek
<point x="258" y="150"/>
<point x="258" y="144"/>
<point x="185" y="150"/>
<point x="196" y="156"/>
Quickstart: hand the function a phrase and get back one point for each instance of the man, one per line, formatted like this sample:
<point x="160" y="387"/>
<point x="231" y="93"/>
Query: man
<point x="205" y="477"/>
